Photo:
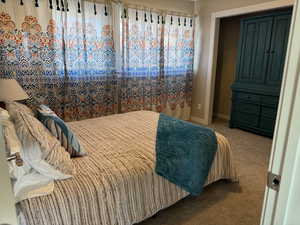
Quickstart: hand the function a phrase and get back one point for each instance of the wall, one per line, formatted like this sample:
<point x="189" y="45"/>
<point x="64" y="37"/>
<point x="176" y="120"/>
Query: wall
<point x="184" y="6"/>
<point x="7" y="208"/>
<point x="204" y="8"/>
<point x="226" y="65"/>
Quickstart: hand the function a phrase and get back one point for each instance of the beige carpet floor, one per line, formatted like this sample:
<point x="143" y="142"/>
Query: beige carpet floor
<point x="224" y="203"/>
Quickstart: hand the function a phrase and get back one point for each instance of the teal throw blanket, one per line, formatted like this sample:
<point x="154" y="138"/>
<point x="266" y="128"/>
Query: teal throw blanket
<point x="184" y="153"/>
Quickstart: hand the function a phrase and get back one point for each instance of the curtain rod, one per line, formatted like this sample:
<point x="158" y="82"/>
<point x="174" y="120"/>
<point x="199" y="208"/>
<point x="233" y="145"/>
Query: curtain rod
<point x="156" y="10"/>
<point x="143" y="7"/>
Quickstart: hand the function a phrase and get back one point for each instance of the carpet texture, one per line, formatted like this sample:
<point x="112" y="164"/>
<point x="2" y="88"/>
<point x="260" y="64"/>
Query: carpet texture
<point x="224" y="203"/>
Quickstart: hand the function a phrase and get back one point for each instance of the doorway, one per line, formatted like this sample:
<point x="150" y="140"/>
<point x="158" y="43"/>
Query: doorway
<point x="278" y="151"/>
<point x="229" y="36"/>
<point x="214" y="41"/>
<point x="249" y="69"/>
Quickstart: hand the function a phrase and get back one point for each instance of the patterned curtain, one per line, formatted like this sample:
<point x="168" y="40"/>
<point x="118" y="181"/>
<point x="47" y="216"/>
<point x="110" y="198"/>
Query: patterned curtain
<point x="62" y="53"/>
<point x="157" y="54"/>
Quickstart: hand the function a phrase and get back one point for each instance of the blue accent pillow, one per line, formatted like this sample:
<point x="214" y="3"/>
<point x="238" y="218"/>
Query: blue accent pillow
<point x="60" y="130"/>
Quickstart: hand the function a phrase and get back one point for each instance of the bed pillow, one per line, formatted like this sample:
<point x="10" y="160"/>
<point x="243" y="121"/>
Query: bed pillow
<point x="41" y="150"/>
<point x="60" y="130"/>
<point x="26" y="182"/>
<point x="11" y="139"/>
<point x="14" y="107"/>
<point x="12" y="145"/>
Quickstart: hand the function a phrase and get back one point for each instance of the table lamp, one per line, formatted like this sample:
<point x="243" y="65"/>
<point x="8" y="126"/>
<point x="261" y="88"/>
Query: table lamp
<point x="10" y="90"/>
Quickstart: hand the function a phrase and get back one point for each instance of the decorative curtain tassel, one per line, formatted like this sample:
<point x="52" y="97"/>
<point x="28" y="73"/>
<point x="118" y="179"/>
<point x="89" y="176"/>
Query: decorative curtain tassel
<point x="158" y="19"/>
<point x="171" y="20"/>
<point x="125" y="14"/>
<point x="21" y="2"/>
<point x="67" y="6"/>
<point x="50" y="4"/>
<point x="105" y="11"/>
<point x="191" y="22"/>
<point x="178" y="21"/>
<point x="95" y="9"/>
<point x="62" y="5"/>
<point x="151" y="19"/>
<point x="136" y="16"/>
<point x="184" y="22"/>
<point x="162" y="20"/>
<point x="57" y="5"/>
<point x="3" y="1"/>
<point x="36" y="3"/>
<point x="78" y="4"/>
<point x="145" y="17"/>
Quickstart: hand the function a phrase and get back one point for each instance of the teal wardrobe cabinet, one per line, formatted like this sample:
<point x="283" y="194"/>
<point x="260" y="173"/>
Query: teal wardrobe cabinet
<point x="260" y="64"/>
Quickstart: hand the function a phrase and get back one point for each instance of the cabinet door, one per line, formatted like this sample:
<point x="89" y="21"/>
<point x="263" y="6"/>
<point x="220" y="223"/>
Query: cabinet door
<point x="254" y="45"/>
<point x="280" y="35"/>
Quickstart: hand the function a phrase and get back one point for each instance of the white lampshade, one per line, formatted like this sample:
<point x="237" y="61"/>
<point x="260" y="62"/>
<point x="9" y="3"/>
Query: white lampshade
<point x="10" y="90"/>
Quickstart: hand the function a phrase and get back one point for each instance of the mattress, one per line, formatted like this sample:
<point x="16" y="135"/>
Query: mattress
<point x="116" y="183"/>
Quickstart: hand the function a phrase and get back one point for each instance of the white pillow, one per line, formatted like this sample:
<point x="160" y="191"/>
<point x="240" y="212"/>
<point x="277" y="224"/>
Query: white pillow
<point x="27" y="182"/>
<point x="13" y="144"/>
<point x="32" y="185"/>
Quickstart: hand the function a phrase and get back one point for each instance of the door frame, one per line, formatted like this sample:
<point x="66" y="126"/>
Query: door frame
<point x="214" y="42"/>
<point x="282" y="207"/>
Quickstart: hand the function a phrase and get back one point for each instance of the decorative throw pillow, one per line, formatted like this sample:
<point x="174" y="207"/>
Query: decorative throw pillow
<point x="41" y="150"/>
<point x="14" y="107"/>
<point x="60" y="130"/>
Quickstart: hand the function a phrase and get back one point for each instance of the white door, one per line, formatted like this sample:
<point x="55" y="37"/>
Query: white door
<point x="7" y="205"/>
<point x="282" y="207"/>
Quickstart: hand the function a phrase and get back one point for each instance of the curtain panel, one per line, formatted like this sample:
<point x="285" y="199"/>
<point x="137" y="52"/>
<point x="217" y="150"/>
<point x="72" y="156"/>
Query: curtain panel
<point x="62" y="54"/>
<point x="157" y="63"/>
<point x="86" y="59"/>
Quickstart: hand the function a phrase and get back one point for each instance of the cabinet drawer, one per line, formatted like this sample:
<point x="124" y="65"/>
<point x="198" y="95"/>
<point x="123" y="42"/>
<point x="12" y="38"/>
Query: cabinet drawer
<point x="269" y="112"/>
<point x="270" y="100"/>
<point x="248" y="97"/>
<point x="247" y="107"/>
<point x="267" y="124"/>
<point x="246" y="119"/>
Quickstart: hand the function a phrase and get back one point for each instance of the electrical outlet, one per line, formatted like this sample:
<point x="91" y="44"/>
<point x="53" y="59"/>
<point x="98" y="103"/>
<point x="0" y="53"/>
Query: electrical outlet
<point x="199" y="106"/>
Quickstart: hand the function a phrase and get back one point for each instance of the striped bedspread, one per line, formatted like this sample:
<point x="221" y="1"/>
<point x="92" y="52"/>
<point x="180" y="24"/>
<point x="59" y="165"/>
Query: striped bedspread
<point x="116" y="183"/>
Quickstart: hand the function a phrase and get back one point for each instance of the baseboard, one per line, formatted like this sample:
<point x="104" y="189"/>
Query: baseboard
<point x="197" y="119"/>
<point x="222" y="116"/>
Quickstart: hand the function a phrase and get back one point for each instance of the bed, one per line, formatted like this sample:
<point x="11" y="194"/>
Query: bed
<point x="116" y="183"/>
